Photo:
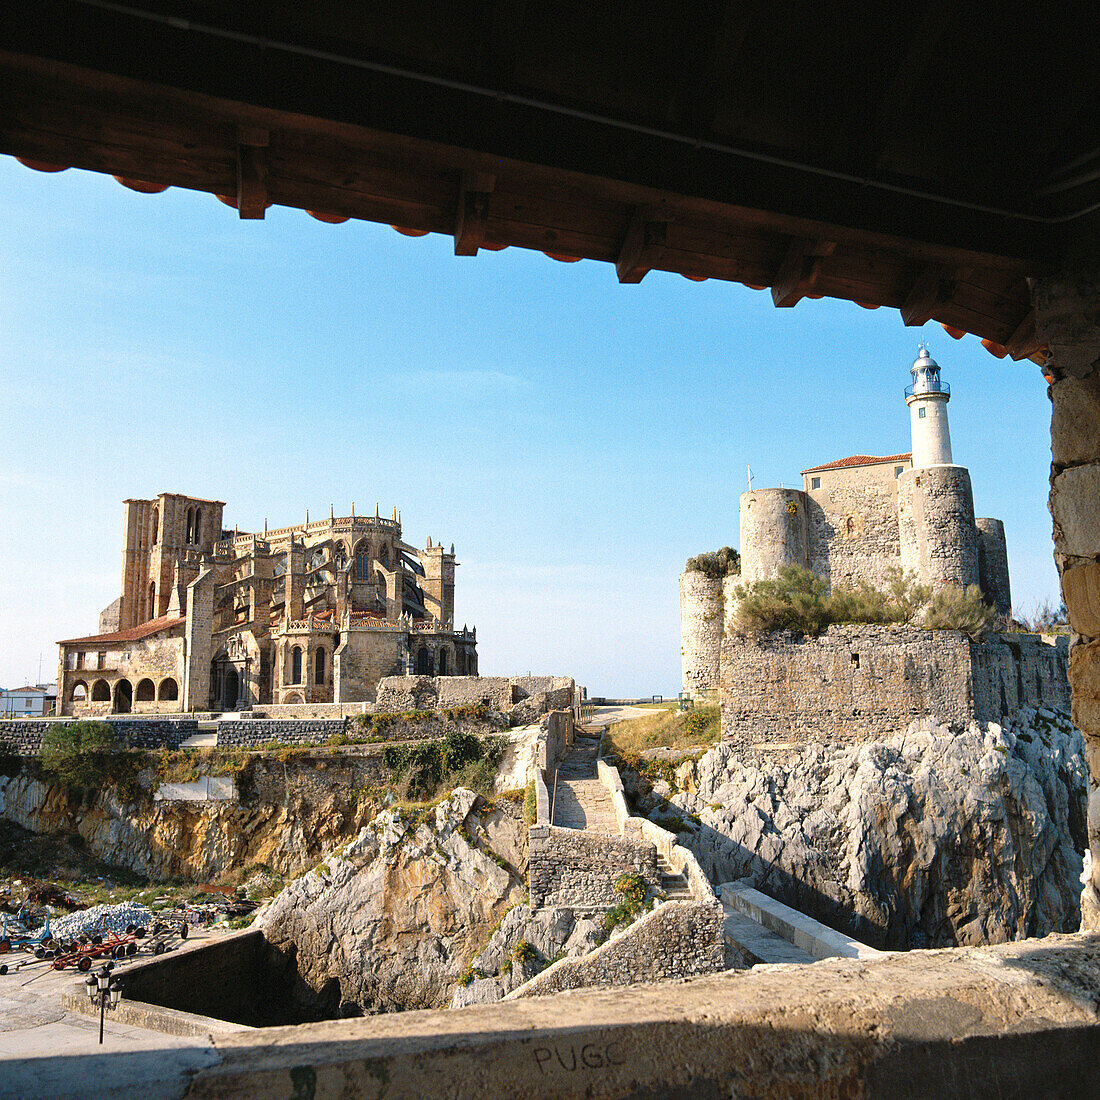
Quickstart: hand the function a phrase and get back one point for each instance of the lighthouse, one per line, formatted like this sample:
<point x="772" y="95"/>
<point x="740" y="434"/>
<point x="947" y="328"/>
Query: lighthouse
<point x="927" y="399"/>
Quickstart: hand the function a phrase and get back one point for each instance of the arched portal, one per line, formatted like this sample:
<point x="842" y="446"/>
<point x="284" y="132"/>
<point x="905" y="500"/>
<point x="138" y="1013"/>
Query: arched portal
<point x="79" y="692"/>
<point x="146" y="693"/>
<point x="169" y="690"/>
<point x="423" y="662"/>
<point x="101" y="692"/>
<point x="232" y="689"/>
<point x="124" y="697"/>
<point x="443" y="671"/>
<point x="296" y="665"/>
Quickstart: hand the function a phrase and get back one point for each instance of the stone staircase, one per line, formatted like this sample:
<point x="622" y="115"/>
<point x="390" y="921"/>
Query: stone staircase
<point x="673" y="884"/>
<point x="581" y="801"/>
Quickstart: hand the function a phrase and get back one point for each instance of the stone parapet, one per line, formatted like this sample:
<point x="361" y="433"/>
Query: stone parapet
<point x="680" y="939"/>
<point x="23" y="737"/>
<point x="253" y="732"/>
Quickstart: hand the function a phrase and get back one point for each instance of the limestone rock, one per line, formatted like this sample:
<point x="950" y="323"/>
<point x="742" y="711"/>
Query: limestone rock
<point x="391" y="922"/>
<point x="935" y="837"/>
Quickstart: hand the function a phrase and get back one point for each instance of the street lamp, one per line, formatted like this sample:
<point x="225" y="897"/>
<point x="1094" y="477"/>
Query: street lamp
<point x="100" y="987"/>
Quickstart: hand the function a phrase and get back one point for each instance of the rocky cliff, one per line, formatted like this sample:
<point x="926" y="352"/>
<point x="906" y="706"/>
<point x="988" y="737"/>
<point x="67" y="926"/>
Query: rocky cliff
<point x="294" y="813"/>
<point x="392" y="921"/>
<point x="934" y="837"/>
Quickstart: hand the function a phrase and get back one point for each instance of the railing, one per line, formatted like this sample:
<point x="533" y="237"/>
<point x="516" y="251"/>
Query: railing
<point x="928" y="387"/>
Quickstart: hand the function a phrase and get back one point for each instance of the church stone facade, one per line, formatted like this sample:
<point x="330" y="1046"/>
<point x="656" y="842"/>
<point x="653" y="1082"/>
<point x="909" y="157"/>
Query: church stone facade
<point x="215" y="620"/>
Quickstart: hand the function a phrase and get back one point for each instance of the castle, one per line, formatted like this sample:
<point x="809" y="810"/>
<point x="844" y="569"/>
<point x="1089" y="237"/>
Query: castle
<point x="219" y="620"/>
<point x="852" y="521"/>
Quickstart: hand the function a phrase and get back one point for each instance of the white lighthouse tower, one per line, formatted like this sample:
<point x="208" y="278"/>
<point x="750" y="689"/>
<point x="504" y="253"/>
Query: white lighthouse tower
<point x="927" y="399"/>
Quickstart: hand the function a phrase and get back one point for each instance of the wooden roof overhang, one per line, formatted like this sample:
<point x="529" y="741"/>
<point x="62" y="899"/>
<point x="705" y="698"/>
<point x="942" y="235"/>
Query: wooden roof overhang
<point x="819" y="150"/>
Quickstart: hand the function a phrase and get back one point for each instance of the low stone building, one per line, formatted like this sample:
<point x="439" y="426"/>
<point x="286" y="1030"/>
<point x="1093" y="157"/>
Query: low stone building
<point x="210" y="619"/>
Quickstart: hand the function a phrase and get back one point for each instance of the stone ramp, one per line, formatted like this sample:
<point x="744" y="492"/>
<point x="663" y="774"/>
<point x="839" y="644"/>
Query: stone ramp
<point x="580" y="800"/>
<point x="773" y="932"/>
<point x="757" y="944"/>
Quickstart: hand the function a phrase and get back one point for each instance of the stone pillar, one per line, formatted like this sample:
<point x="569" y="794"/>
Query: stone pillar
<point x="1067" y="318"/>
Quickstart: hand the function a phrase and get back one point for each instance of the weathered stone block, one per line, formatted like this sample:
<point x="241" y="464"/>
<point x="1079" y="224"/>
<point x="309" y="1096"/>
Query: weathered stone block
<point x="1084" y="678"/>
<point x="1075" y="506"/>
<point x="1074" y="438"/>
<point x="1081" y="593"/>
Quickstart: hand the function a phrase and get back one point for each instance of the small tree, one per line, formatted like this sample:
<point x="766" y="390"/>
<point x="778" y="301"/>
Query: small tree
<point x="715" y="563"/>
<point x="906" y="596"/>
<point x="954" y="608"/>
<point x="79" y="753"/>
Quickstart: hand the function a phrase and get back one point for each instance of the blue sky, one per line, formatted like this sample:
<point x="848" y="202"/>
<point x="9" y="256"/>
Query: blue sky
<point x="575" y="439"/>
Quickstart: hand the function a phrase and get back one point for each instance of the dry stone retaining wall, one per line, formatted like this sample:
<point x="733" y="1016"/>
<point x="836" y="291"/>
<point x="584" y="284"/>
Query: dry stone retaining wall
<point x="680" y="939"/>
<point x="24" y="737"/>
<point x="575" y="869"/>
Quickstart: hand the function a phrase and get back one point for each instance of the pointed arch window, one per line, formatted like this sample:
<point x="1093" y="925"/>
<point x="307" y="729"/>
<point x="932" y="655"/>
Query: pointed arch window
<point x="296" y="665"/>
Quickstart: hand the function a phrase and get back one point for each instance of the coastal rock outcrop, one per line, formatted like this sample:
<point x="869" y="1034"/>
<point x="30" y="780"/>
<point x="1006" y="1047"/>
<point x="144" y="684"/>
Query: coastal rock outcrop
<point x="935" y="837"/>
<point x="391" y="921"/>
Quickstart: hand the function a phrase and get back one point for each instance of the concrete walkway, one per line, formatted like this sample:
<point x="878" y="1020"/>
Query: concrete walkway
<point x="49" y="1050"/>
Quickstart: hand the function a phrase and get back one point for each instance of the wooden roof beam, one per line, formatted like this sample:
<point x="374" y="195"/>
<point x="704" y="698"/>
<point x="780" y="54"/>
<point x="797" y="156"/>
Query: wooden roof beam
<point x="252" y="196"/>
<point x="933" y="287"/>
<point x="642" y="248"/>
<point x="472" y="212"/>
<point x="1023" y="343"/>
<point x="800" y="271"/>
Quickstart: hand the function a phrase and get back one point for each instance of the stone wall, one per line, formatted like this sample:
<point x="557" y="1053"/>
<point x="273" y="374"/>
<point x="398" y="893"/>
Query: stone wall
<point x="24" y="737"/>
<point x="993" y="565"/>
<point x="572" y="868"/>
<point x="501" y="693"/>
<point x="853" y="521"/>
<point x="362" y="659"/>
<point x="855" y="683"/>
<point x="252" y="732"/>
<point x="680" y="939"/>
<point x="939" y="541"/>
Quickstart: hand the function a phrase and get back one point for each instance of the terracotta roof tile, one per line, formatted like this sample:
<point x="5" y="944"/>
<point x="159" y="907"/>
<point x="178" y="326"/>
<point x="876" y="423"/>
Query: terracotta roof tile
<point x="859" y="460"/>
<point x="133" y="634"/>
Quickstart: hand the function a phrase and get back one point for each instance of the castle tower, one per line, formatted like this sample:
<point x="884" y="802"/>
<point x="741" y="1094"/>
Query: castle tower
<point x="927" y="399"/>
<point x="774" y="533"/>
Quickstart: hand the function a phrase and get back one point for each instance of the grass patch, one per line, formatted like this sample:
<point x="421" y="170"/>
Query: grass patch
<point x="666" y="727"/>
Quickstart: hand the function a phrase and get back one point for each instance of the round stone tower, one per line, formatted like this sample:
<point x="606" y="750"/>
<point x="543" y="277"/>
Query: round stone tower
<point x="927" y="399"/>
<point x="993" y="564"/>
<point x="701" y="628"/>
<point x="774" y="533"/>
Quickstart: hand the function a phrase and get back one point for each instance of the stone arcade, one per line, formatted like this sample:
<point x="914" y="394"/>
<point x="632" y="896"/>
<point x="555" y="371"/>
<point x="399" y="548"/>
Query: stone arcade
<point x="219" y="620"/>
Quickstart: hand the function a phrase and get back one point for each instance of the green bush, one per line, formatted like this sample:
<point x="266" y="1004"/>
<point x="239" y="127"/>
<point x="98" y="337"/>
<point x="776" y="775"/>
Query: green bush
<point x="795" y="600"/>
<point x="958" y="609"/>
<point x="632" y="888"/>
<point x="530" y="804"/>
<point x="79" y="754"/>
<point x="457" y="759"/>
<point x="716" y="563"/>
<point x="524" y="952"/>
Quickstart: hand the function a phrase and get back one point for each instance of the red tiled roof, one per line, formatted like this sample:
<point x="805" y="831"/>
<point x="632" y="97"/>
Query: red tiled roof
<point x="859" y="460"/>
<point x="133" y="634"/>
